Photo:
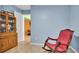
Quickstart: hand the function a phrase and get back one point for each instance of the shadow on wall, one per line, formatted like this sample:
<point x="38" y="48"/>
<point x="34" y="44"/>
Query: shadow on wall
<point x="75" y="43"/>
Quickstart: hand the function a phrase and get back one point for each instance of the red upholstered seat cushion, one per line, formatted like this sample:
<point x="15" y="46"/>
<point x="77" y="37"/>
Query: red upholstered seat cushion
<point x="61" y="48"/>
<point x="52" y="46"/>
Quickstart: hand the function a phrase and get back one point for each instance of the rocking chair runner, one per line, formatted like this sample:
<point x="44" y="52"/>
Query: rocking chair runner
<point x="62" y="43"/>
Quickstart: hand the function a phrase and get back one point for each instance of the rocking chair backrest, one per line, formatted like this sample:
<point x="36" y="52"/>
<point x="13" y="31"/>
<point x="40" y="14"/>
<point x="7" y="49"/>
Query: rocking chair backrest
<point x="65" y="36"/>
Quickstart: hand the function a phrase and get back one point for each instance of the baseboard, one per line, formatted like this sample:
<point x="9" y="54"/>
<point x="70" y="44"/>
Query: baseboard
<point x="37" y="44"/>
<point x="73" y="49"/>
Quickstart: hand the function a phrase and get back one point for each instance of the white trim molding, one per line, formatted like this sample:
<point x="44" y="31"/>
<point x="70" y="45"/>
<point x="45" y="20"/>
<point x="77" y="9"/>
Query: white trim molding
<point x="73" y="49"/>
<point x="37" y="44"/>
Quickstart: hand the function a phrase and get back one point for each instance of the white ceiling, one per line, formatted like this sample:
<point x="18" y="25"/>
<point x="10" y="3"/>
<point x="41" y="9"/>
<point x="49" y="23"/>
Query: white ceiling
<point x="23" y="7"/>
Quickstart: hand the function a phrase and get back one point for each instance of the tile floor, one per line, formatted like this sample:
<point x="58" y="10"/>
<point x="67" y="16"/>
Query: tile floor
<point x="28" y="48"/>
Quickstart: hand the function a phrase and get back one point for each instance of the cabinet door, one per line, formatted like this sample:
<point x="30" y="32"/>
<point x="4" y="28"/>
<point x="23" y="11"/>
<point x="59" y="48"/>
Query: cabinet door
<point x="0" y="44"/>
<point x="12" y="41"/>
<point x="4" y="44"/>
<point x="7" y="42"/>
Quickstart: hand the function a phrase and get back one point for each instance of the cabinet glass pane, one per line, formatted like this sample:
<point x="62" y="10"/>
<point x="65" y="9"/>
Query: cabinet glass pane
<point x="10" y="24"/>
<point x="2" y="23"/>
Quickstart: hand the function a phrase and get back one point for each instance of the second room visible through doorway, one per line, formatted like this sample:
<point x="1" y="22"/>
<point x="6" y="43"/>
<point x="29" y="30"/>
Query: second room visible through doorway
<point x="27" y="25"/>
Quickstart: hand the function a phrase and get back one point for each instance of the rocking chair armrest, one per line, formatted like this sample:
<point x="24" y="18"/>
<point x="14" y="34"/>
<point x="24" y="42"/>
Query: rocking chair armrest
<point x="49" y="38"/>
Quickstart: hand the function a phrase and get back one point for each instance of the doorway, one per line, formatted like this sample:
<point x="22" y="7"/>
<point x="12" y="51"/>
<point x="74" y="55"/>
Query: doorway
<point x="27" y="25"/>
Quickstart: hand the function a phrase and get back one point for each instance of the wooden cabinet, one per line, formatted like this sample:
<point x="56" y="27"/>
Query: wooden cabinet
<point x="8" y="35"/>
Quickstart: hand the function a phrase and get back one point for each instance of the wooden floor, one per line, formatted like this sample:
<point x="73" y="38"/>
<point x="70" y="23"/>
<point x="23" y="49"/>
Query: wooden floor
<point x="28" y="48"/>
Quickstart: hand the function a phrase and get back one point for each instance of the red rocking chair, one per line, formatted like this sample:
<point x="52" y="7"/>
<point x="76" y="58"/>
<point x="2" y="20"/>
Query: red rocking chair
<point x="62" y="43"/>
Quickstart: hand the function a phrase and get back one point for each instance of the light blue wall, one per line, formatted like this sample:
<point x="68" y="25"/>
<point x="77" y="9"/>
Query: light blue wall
<point x="0" y="7"/>
<point x="48" y="21"/>
<point x="74" y="24"/>
<point x="26" y="11"/>
<point x="74" y="17"/>
<point x="75" y="43"/>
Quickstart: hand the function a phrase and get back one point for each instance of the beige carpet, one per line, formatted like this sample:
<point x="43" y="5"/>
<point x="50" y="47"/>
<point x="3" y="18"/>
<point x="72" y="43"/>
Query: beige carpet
<point x="28" y="48"/>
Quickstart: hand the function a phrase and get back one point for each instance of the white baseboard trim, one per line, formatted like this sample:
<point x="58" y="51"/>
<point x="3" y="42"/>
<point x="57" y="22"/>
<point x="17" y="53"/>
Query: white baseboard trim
<point x="73" y="49"/>
<point x="37" y="44"/>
